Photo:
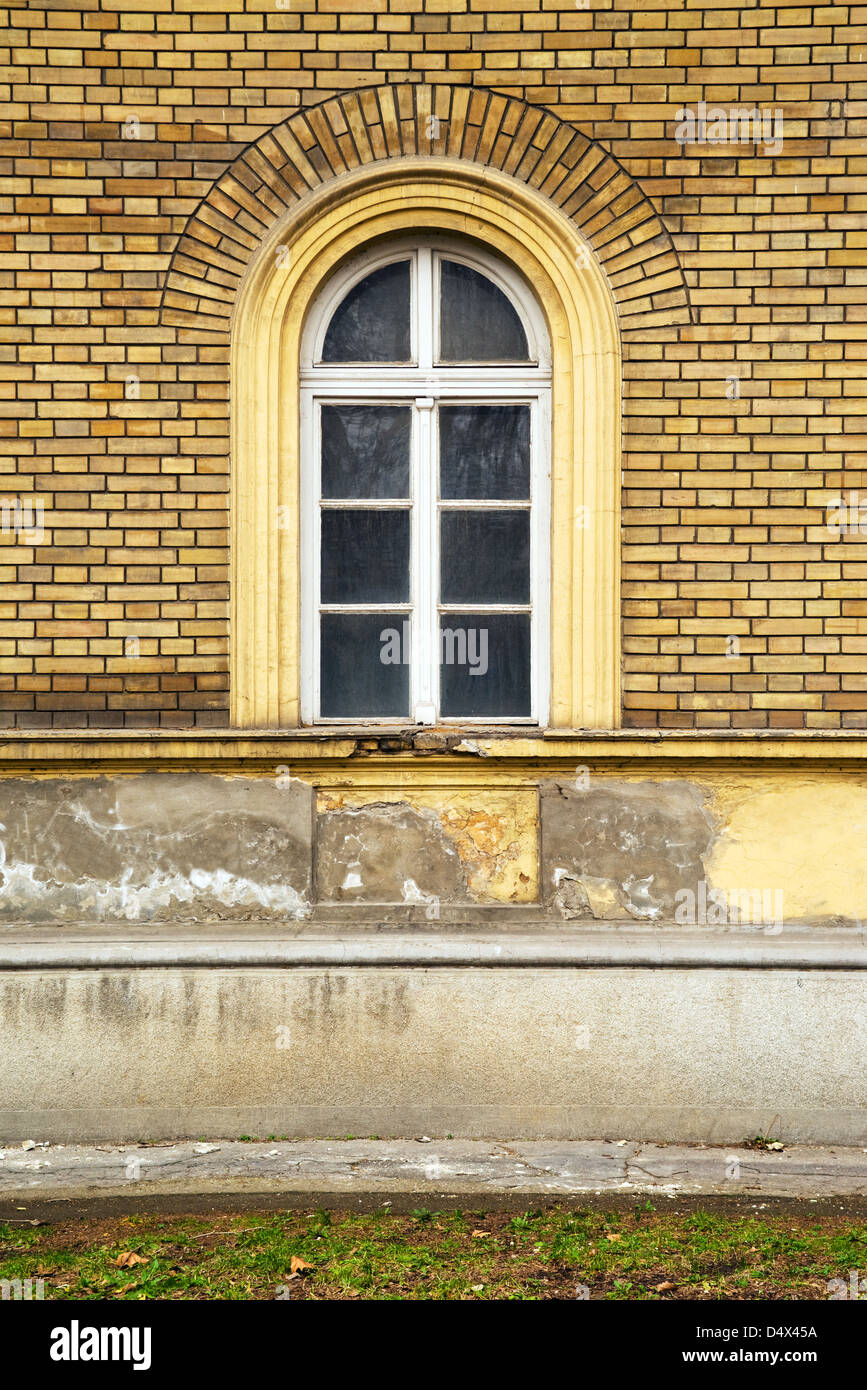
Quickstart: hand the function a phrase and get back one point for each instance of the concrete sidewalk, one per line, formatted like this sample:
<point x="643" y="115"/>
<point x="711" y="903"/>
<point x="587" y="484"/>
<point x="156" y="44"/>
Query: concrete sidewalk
<point x="425" y="1170"/>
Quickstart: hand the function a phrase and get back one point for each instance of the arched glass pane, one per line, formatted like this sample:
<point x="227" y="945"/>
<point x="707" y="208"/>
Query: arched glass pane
<point x="372" y="324"/>
<point x="477" y="321"/>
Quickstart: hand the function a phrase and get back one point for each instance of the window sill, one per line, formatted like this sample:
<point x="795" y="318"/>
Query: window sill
<point x="92" y="751"/>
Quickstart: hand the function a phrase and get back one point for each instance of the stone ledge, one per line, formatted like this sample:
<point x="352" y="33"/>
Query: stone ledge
<point x="475" y="753"/>
<point x="290" y="946"/>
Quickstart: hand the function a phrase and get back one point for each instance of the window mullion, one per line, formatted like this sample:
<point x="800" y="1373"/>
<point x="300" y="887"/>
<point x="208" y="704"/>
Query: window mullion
<point x="424" y="636"/>
<point x="425" y="309"/>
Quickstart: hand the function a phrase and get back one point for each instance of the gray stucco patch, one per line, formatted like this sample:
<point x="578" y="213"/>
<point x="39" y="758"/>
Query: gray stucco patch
<point x="194" y="847"/>
<point x="622" y="849"/>
<point x="387" y="853"/>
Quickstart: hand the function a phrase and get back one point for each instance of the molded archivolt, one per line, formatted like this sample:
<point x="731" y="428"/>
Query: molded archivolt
<point x="392" y="122"/>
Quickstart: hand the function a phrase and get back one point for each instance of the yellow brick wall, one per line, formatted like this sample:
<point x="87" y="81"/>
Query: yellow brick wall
<point x="724" y="533"/>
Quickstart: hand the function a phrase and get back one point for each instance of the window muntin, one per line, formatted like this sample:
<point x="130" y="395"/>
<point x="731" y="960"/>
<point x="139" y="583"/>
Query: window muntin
<point x="431" y="481"/>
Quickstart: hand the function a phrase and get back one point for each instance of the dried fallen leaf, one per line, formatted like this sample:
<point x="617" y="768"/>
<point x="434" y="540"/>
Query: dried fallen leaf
<point x="662" y="1288"/>
<point x="479" y="1235"/>
<point x="128" y="1259"/>
<point x="297" y="1265"/>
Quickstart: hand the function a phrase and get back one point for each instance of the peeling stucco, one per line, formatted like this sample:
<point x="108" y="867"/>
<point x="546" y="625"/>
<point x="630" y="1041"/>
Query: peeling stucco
<point x="617" y="849"/>
<point x="154" y="847"/>
<point x="386" y="852"/>
<point x="493" y="831"/>
<point x="199" y="847"/>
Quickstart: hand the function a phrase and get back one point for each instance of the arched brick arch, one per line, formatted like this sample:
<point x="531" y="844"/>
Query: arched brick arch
<point x="383" y="123"/>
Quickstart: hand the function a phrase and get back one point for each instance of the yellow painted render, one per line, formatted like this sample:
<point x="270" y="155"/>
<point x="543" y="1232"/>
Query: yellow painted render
<point x="389" y="199"/>
<point x="494" y="831"/>
<point x="805" y="836"/>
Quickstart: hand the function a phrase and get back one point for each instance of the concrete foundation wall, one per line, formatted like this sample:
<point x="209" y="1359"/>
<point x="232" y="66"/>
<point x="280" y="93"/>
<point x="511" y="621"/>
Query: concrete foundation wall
<point x="484" y="938"/>
<point x="537" y="1052"/>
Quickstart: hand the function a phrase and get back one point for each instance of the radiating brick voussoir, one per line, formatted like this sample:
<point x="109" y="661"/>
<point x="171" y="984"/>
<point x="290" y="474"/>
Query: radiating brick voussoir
<point x="389" y="122"/>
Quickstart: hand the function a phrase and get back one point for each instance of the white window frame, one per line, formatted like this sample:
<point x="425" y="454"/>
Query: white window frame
<point x="423" y="385"/>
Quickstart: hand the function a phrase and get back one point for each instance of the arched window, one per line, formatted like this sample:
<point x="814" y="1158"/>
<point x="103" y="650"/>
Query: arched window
<point x="425" y="466"/>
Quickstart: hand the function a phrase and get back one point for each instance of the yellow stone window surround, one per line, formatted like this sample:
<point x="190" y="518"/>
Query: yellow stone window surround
<point x="401" y="197"/>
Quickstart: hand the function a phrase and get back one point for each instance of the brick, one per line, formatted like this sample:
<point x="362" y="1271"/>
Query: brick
<point x="724" y="505"/>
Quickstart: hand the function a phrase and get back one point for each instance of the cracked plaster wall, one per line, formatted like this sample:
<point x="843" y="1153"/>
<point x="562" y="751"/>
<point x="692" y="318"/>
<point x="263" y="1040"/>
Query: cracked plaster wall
<point x="202" y="847"/>
<point x="622" y="850"/>
<point x="625" y="849"/>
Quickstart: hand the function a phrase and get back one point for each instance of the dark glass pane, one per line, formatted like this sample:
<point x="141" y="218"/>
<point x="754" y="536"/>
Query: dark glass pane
<point x="363" y="664"/>
<point x="485" y="452"/>
<point x="477" y="321"/>
<point x="365" y="556"/>
<point x="365" y="450"/>
<point x="372" y="323"/>
<point x="485" y="557"/>
<point x="485" y="665"/>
